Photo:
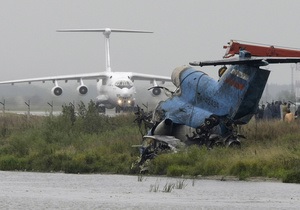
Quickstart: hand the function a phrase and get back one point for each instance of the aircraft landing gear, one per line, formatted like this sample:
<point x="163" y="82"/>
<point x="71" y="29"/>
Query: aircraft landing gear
<point x="101" y="109"/>
<point x="124" y="109"/>
<point x="118" y="109"/>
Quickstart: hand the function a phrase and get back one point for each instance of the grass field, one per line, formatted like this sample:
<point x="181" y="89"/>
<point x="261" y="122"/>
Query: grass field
<point x="92" y="143"/>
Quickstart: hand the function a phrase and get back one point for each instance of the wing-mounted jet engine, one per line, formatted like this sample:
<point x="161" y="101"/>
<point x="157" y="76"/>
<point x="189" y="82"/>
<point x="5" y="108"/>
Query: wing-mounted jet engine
<point x="204" y="111"/>
<point x="156" y="89"/>
<point x="82" y="89"/>
<point x="56" y="90"/>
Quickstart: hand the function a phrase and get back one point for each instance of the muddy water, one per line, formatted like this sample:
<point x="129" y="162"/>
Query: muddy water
<point x="23" y="190"/>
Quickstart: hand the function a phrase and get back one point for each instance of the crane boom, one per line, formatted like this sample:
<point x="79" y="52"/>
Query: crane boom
<point x="234" y="47"/>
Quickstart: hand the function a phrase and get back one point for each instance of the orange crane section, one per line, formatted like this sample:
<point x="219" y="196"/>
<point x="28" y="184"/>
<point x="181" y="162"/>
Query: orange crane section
<point x="234" y="47"/>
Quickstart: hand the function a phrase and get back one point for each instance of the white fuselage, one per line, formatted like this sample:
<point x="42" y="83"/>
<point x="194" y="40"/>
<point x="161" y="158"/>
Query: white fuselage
<point x="116" y="90"/>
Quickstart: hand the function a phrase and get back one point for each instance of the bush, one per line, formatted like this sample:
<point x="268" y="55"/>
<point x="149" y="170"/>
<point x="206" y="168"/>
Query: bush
<point x="292" y="177"/>
<point x="10" y="163"/>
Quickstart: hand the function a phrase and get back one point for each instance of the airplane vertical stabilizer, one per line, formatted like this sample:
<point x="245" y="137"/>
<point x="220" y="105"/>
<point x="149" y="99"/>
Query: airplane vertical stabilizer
<point x="244" y="86"/>
<point x="106" y="33"/>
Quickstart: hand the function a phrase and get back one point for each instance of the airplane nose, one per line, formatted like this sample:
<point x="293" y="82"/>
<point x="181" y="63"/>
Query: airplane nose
<point x="125" y="93"/>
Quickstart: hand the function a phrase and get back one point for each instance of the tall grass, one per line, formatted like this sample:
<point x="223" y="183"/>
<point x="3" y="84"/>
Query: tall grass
<point x="92" y="143"/>
<point x="272" y="149"/>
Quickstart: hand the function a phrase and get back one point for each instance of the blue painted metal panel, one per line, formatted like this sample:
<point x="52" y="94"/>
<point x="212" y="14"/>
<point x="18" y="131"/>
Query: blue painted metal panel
<point x="200" y="96"/>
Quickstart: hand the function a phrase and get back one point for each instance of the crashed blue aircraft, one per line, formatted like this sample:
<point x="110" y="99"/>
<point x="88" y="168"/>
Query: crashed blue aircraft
<point x="204" y="111"/>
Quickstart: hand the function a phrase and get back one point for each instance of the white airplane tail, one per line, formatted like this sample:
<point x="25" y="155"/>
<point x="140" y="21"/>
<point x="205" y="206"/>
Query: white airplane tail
<point x="106" y="33"/>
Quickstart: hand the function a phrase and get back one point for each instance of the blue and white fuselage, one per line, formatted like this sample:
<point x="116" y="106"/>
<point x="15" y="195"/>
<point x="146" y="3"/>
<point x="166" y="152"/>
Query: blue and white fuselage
<point x="199" y="96"/>
<point x="235" y="96"/>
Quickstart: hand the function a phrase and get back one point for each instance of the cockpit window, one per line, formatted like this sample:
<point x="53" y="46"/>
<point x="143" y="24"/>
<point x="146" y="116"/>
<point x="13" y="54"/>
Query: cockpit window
<point x="124" y="84"/>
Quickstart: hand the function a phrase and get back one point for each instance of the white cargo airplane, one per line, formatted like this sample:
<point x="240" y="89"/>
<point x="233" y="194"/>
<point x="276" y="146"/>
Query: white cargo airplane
<point x="116" y="89"/>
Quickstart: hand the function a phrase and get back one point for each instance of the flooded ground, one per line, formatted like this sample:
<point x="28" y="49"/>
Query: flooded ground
<point x="23" y="190"/>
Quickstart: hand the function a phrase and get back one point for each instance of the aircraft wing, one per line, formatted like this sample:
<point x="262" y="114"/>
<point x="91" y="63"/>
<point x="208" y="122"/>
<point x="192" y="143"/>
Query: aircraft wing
<point x="87" y="76"/>
<point x="149" y="77"/>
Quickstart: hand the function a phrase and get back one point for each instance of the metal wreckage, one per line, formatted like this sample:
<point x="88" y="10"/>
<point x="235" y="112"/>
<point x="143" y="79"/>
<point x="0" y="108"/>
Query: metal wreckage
<point x="205" y="112"/>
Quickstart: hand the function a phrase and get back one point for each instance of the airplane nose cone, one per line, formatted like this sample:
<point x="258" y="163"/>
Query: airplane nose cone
<point x="125" y="93"/>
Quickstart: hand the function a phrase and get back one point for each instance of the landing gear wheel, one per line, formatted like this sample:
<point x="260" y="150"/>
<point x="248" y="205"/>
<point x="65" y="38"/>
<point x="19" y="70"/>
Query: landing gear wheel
<point x="118" y="109"/>
<point x="101" y="109"/>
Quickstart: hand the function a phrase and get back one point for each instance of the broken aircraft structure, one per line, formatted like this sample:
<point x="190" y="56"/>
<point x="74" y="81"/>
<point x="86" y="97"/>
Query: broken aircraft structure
<point x="204" y="111"/>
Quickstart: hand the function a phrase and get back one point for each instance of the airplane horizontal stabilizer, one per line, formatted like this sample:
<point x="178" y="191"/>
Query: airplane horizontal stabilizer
<point x="250" y="61"/>
<point x="103" y="30"/>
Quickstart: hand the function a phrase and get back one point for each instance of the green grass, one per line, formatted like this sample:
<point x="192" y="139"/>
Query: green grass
<point x="272" y="150"/>
<point x="92" y="143"/>
<point x="58" y="144"/>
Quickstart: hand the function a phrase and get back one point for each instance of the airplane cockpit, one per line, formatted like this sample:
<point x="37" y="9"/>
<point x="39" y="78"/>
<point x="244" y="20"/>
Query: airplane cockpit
<point x="124" y="84"/>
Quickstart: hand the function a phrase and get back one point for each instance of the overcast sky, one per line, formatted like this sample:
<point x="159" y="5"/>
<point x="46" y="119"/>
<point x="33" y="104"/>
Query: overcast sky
<point x="184" y="31"/>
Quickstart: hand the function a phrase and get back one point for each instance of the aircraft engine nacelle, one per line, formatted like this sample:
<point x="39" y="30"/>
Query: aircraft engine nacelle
<point x="82" y="89"/>
<point x="57" y="91"/>
<point x="156" y="91"/>
<point x="163" y="128"/>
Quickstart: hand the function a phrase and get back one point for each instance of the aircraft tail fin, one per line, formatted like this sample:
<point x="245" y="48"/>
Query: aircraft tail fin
<point x="106" y="33"/>
<point x="245" y="86"/>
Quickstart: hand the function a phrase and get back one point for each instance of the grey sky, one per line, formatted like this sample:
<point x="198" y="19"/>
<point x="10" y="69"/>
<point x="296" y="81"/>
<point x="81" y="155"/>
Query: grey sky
<point x="184" y="31"/>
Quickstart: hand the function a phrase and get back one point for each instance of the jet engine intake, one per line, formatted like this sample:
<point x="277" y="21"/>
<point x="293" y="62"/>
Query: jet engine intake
<point x="57" y="91"/>
<point x="82" y="89"/>
<point x="156" y="91"/>
<point x="163" y="128"/>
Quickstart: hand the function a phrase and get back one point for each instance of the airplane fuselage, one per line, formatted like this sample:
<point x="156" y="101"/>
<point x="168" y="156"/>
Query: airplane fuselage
<point x="117" y="90"/>
<point x="235" y="95"/>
